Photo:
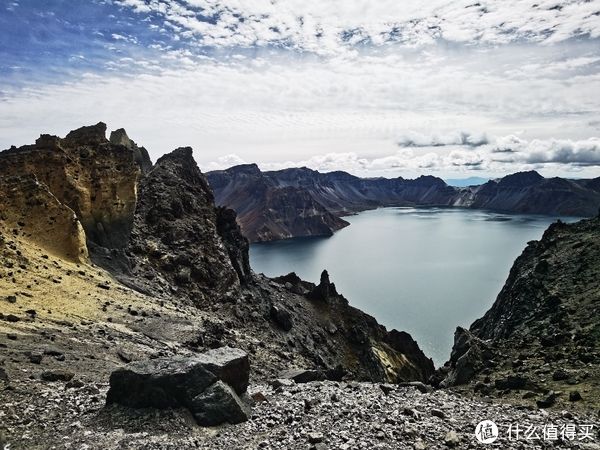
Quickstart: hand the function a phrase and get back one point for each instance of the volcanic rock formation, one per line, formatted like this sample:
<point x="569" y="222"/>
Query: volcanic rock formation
<point x="265" y="201"/>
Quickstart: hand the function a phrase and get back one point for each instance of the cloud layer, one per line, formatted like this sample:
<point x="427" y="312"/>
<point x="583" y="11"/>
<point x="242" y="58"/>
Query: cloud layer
<point x="329" y="27"/>
<point x="381" y="87"/>
<point x="498" y="155"/>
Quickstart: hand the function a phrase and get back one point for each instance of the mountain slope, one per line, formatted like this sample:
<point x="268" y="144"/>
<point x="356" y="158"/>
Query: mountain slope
<point x="155" y="229"/>
<point x="543" y="331"/>
<point x="250" y="193"/>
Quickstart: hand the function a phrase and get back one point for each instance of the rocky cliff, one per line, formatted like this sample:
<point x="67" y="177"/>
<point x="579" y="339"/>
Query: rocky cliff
<point x="97" y="179"/>
<point x="267" y="211"/>
<point x="155" y="229"/>
<point x="539" y="340"/>
<point x="249" y="192"/>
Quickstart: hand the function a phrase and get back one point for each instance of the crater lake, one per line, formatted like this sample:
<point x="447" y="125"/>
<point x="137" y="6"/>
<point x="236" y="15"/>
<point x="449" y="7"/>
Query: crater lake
<point x="421" y="270"/>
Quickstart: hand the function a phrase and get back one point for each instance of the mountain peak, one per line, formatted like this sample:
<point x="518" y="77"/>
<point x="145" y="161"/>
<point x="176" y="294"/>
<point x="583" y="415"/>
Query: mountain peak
<point x="521" y="179"/>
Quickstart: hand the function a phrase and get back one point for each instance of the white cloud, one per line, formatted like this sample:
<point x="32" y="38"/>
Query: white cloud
<point x="523" y="155"/>
<point x="332" y="26"/>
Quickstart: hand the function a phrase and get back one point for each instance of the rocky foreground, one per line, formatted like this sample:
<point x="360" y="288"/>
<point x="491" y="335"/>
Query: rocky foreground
<point x="317" y="415"/>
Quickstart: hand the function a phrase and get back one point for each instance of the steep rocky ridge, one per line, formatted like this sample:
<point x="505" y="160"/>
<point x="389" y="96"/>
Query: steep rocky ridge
<point x="541" y="335"/>
<point x="174" y="246"/>
<point x="247" y="190"/>
<point x="267" y="211"/>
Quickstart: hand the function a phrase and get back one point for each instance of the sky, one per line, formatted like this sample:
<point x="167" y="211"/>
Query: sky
<point x="391" y="88"/>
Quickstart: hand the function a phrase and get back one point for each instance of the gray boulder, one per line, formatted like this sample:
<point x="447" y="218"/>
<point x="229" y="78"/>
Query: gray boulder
<point x="207" y="385"/>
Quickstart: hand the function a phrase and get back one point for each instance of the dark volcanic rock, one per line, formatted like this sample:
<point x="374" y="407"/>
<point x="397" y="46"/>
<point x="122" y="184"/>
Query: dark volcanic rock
<point x="237" y="245"/>
<point x="218" y="404"/>
<point x="324" y="290"/>
<point x="175" y="229"/>
<point x="208" y="385"/>
<point x="282" y="317"/>
<point x="547" y="314"/>
<point x="57" y="375"/>
<point x="467" y="358"/>
<point x="302" y="375"/>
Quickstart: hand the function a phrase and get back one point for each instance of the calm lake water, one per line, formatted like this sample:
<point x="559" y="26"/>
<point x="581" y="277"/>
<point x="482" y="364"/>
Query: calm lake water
<point x="424" y="271"/>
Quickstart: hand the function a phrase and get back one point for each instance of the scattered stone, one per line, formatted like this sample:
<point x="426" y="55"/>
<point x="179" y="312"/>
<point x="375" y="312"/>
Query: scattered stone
<point x="53" y="352"/>
<point x="282" y="382"/>
<point x="219" y="404"/>
<point x="124" y="356"/>
<point x="281" y="317"/>
<point x="560" y="375"/>
<point x="74" y="384"/>
<point x="11" y="336"/>
<point x="259" y="397"/>
<point x="11" y="298"/>
<point x="512" y="382"/>
<point x="315" y="438"/>
<point x="438" y="413"/>
<point x="3" y="374"/>
<point x="35" y="357"/>
<point x="421" y="387"/>
<point x="387" y="388"/>
<point x="11" y="318"/>
<point x="547" y="401"/>
<point x="451" y="439"/>
<point x="574" y="396"/>
<point x="302" y="375"/>
<point x="57" y="375"/>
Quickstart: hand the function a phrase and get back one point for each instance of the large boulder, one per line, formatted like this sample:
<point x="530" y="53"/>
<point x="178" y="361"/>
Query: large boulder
<point x="207" y="385"/>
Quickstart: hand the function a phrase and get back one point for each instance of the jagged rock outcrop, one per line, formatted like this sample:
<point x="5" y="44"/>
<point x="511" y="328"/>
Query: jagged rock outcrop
<point x="324" y="290"/>
<point x="84" y="171"/>
<point x="265" y="201"/>
<point x="159" y="232"/>
<point x="175" y="233"/>
<point x="542" y="331"/>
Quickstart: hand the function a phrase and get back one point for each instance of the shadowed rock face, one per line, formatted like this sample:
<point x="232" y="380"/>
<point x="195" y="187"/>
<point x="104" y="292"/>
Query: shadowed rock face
<point x="175" y="233"/>
<point x="272" y="205"/>
<point x="547" y="315"/>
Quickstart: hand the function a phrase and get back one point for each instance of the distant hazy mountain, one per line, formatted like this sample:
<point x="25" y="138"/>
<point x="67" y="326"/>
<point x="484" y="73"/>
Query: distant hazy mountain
<point x="464" y="182"/>
<point x="303" y="202"/>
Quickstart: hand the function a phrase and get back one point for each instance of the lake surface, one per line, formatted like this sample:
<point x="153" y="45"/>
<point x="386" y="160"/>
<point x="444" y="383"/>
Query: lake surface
<point x="422" y="270"/>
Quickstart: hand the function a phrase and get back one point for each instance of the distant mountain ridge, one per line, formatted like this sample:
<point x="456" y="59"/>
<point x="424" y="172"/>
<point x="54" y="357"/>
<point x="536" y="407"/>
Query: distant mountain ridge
<point x="303" y="202"/>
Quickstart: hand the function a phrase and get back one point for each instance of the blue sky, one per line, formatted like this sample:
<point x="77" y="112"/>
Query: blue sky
<point x="453" y="88"/>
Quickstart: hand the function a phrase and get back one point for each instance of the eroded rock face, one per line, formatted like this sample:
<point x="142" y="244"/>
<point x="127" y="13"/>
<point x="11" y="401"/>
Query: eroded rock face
<point x="87" y="173"/>
<point x="30" y="210"/>
<point x="208" y="385"/>
<point x="267" y="211"/>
